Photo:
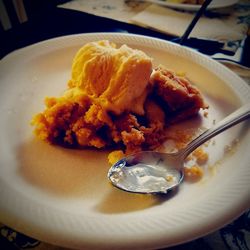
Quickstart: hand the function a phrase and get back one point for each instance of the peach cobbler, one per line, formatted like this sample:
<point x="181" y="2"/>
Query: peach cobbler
<point x="116" y="99"/>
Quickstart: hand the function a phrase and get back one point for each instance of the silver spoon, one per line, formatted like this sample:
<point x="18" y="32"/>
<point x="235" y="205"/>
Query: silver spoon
<point x="153" y="172"/>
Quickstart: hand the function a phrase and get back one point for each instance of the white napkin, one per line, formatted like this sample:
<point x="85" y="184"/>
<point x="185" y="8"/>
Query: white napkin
<point x="175" y="23"/>
<point x="116" y="9"/>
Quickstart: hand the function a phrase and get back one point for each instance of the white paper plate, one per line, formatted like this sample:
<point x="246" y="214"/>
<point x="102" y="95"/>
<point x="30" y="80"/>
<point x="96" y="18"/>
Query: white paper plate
<point x="215" y="4"/>
<point x="62" y="196"/>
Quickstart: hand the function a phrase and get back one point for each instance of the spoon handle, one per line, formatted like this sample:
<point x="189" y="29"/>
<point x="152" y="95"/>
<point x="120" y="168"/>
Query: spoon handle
<point x="234" y="118"/>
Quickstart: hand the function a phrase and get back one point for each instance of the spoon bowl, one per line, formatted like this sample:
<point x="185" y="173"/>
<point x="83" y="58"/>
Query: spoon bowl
<point x="150" y="172"/>
<point x="147" y="172"/>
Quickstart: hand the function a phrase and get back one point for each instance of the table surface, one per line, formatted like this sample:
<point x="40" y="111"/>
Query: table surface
<point x="60" y="22"/>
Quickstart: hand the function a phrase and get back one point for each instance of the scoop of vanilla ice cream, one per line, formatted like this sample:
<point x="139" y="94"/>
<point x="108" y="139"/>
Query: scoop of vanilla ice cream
<point x="116" y="78"/>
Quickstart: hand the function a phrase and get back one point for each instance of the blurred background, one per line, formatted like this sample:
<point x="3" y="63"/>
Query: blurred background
<point x="15" y="12"/>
